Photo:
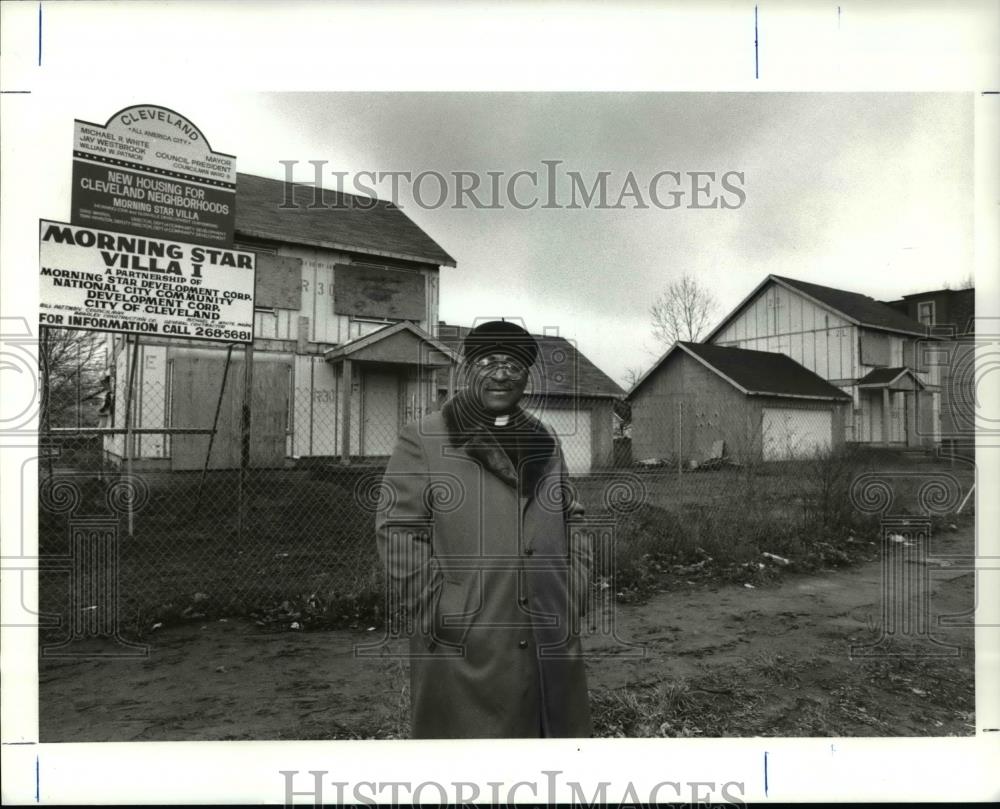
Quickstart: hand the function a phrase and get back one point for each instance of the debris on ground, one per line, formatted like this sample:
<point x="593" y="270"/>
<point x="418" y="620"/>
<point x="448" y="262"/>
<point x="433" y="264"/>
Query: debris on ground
<point x="651" y="462"/>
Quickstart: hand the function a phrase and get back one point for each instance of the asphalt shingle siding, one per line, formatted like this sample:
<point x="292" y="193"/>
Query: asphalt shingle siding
<point x="349" y="222"/>
<point x="569" y="373"/>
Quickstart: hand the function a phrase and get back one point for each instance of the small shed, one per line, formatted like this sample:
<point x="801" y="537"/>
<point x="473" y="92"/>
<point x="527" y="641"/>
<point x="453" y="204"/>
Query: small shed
<point x="762" y="405"/>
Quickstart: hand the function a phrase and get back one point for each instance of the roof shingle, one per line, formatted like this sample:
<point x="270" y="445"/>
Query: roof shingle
<point x="886" y="376"/>
<point x="567" y="371"/>
<point x="764" y="372"/>
<point x="865" y="310"/>
<point x="348" y="222"/>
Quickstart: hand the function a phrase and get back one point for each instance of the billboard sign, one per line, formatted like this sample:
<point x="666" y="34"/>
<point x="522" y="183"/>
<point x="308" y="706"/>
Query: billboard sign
<point x="150" y="171"/>
<point x="106" y="281"/>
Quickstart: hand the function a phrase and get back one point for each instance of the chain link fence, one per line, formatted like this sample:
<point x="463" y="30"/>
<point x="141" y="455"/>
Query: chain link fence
<point x="195" y="534"/>
<point x="161" y="516"/>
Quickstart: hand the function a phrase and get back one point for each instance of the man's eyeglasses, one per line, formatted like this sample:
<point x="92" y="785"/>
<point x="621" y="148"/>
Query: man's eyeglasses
<point x="494" y="362"/>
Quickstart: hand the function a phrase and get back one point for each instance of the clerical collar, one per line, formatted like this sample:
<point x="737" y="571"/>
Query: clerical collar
<point x="501" y="421"/>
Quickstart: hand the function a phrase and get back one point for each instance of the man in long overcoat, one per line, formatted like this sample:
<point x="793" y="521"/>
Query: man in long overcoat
<point x="476" y="535"/>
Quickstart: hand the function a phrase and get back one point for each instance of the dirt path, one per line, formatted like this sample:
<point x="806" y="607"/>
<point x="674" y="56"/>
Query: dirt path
<point x="732" y="661"/>
<point x="718" y="661"/>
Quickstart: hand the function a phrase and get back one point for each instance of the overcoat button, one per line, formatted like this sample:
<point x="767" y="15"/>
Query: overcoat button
<point x="528" y="551"/>
<point x="523" y="644"/>
<point x="523" y="602"/>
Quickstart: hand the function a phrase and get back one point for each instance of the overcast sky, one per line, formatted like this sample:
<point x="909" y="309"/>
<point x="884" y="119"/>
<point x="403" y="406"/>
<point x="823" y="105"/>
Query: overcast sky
<point x="868" y="192"/>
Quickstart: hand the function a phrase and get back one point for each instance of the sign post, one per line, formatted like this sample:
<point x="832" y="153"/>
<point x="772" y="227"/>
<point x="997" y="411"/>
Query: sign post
<point x="129" y="450"/>
<point x="245" y="425"/>
<point x="215" y="427"/>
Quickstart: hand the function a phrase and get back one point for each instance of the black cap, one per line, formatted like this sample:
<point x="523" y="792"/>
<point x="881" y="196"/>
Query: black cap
<point x="500" y="337"/>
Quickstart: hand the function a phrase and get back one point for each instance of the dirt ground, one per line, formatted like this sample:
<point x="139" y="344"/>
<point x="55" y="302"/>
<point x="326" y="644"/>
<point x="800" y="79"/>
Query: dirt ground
<point x="699" y="659"/>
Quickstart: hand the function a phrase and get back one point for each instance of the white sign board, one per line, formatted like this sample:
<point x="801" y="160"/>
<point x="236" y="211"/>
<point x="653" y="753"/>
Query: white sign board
<point x="105" y="281"/>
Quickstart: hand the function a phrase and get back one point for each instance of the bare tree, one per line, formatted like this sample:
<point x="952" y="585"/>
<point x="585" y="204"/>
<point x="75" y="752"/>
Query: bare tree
<point x="71" y="364"/>
<point x="631" y="376"/>
<point x="683" y="311"/>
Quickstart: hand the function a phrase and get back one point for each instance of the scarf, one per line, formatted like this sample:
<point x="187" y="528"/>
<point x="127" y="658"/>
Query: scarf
<point x="516" y="452"/>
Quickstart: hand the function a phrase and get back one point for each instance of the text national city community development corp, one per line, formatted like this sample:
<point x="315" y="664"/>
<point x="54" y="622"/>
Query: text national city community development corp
<point x="131" y="284"/>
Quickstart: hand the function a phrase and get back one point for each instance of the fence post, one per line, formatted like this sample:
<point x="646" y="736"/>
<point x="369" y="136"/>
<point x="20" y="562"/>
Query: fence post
<point x="215" y="426"/>
<point x="79" y="389"/>
<point x="680" y="433"/>
<point x="245" y="439"/>
<point x="44" y="424"/>
<point x="128" y="424"/>
<point x="345" y="414"/>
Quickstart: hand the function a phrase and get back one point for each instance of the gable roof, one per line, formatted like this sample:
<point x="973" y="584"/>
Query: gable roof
<point x="352" y="347"/>
<point x="567" y="370"/>
<point x="853" y="306"/>
<point x="348" y="222"/>
<point x="887" y="377"/>
<point x="755" y="373"/>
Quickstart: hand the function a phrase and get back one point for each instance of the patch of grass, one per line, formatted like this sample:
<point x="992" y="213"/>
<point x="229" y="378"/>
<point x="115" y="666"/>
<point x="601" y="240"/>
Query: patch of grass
<point x="308" y="538"/>
<point x="730" y="524"/>
<point x="655" y="547"/>
<point x="772" y="695"/>
<point x="777" y="668"/>
<point x="680" y="709"/>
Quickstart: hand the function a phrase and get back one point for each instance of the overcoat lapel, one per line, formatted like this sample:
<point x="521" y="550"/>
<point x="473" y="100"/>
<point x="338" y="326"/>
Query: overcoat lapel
<point x="465" y="432"/>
